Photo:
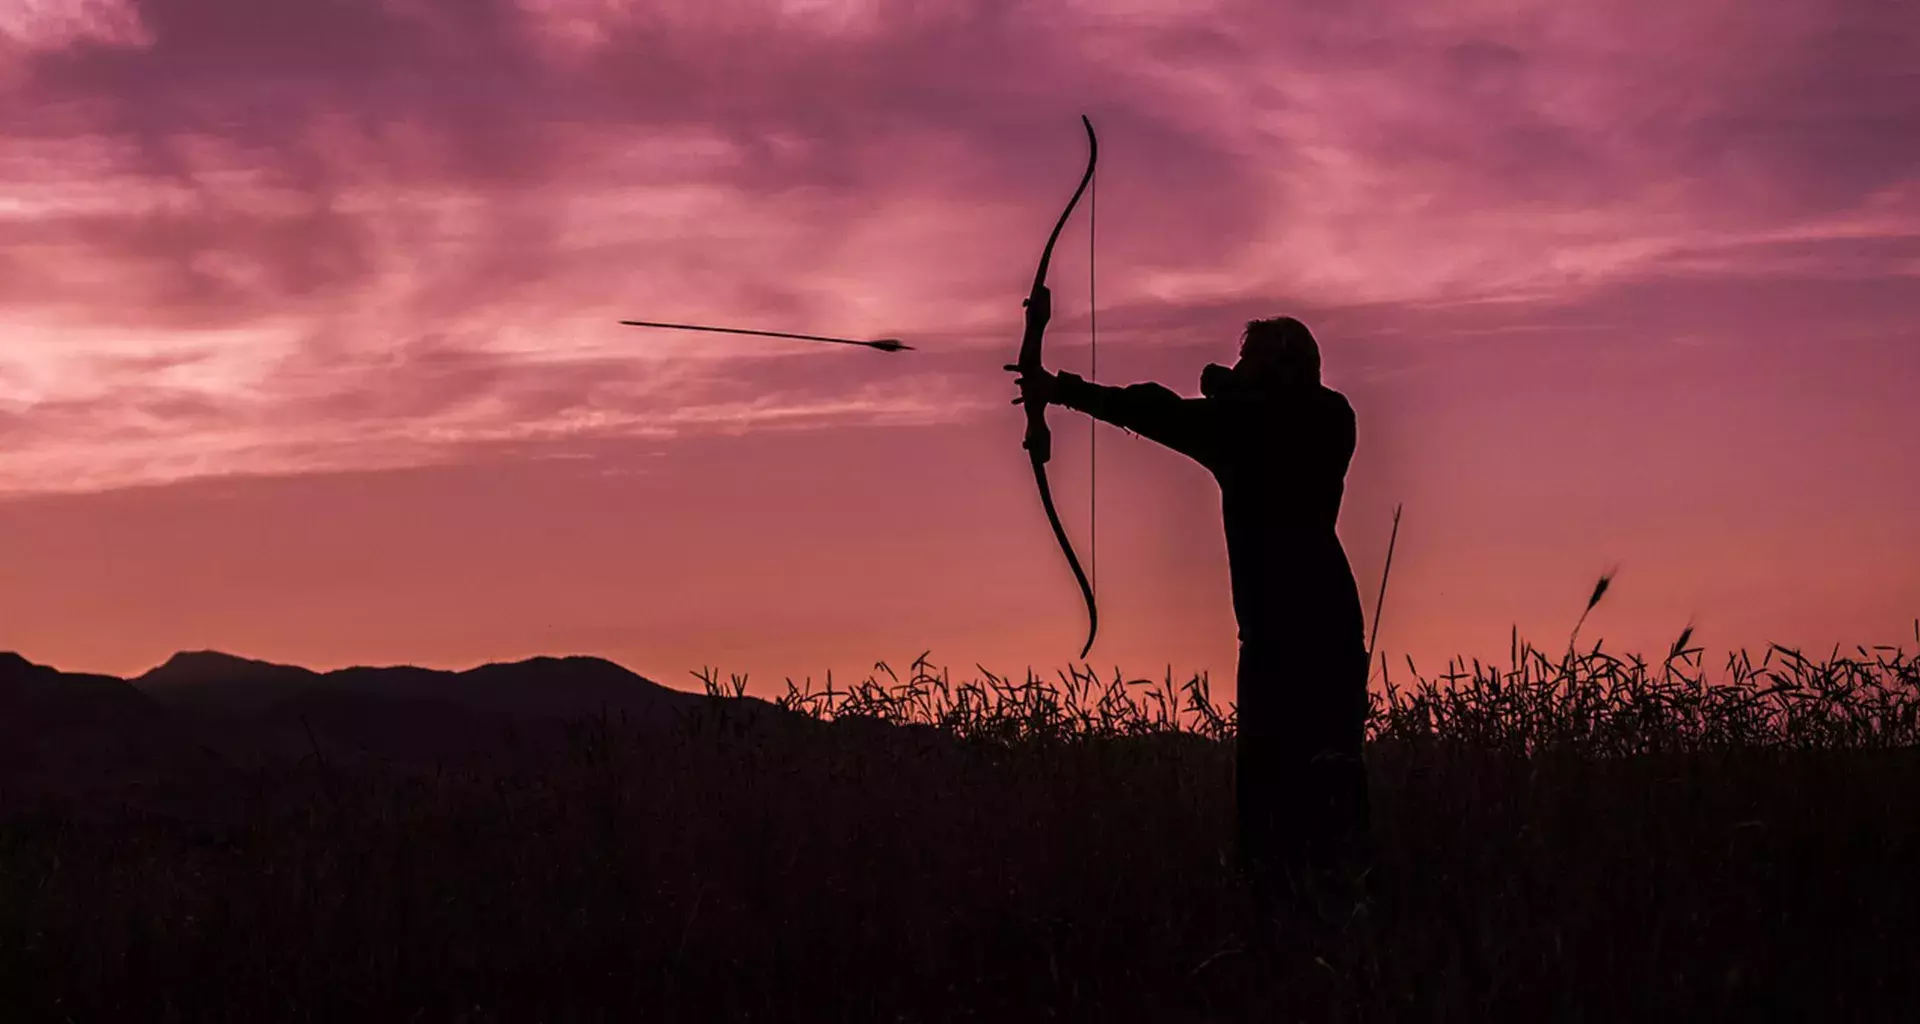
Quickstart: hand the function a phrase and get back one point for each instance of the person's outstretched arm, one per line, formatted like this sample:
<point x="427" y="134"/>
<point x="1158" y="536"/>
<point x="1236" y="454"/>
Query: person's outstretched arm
<point x="1156" y="413"/>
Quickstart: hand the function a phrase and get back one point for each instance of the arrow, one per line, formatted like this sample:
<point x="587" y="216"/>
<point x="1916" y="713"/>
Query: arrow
<point x="883" y="344"/>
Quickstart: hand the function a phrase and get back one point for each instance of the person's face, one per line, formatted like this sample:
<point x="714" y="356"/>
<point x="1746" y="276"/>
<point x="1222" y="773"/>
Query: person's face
<point x="1251" y="368"/>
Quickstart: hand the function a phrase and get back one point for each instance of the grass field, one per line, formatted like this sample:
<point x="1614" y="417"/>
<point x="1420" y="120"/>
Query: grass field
<point x="1571" y="837"/>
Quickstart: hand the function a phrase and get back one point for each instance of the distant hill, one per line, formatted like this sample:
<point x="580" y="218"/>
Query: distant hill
<point x="211" y="680"/>
<point x="537" y="687"/>
<point x="403" y="713"/>
<point x="184" y="730"/>
<point x="65" y="733"/>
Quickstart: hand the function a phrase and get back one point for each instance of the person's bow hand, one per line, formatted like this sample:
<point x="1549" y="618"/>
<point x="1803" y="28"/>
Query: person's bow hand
<point x="1036" y="385"/>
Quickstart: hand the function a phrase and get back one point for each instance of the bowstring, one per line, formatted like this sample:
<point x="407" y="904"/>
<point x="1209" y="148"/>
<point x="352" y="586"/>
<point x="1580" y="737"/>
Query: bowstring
<point x="1093" y="374"/>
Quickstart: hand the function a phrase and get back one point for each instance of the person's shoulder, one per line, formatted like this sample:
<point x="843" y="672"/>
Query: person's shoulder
<point x="1333" y="401"/>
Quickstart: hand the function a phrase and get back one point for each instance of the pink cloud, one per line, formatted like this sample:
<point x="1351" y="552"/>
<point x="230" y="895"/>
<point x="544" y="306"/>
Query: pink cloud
<point x="373" y="221"/>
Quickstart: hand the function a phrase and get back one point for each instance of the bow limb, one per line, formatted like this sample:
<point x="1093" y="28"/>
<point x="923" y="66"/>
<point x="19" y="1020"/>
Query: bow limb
<point x="1039" y="439"/>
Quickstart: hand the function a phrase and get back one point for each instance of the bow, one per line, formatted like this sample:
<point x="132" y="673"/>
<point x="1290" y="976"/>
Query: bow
<point x="1039" y="440"/>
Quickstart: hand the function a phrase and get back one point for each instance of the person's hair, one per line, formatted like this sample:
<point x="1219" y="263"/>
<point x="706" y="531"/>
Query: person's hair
<point x="1285" y="342"/>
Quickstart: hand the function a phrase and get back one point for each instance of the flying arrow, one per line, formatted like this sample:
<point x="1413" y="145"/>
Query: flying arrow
<point x="883" y="344"/>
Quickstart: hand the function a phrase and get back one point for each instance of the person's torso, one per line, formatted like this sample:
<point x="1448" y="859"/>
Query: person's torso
<point x="1282" y="472"/>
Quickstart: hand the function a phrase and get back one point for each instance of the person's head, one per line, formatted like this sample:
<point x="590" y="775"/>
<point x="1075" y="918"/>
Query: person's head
<point x="1278" y="352"/>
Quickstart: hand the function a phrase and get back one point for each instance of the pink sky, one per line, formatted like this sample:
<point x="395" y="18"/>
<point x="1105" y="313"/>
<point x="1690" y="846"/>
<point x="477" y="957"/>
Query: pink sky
<point x="309" y="351"/>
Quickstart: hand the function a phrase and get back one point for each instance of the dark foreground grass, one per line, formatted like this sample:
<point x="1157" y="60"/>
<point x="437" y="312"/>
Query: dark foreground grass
<point x="1581" y="838"/>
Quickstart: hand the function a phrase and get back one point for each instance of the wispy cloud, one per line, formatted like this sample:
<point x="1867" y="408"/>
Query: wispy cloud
<point x="245" y="237"/>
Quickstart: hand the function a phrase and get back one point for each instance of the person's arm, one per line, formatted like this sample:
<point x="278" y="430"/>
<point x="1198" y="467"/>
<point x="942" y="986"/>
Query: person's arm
<point x="1156" y="413"/>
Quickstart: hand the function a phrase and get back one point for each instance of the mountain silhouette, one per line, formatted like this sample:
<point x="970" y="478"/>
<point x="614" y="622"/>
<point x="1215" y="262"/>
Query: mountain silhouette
<point x="184" y="731"/>
<point x="66" y="734"/>
<point x="571" y="687"/>
<point x="211" y="680"/>
<point x="404" y="713"/>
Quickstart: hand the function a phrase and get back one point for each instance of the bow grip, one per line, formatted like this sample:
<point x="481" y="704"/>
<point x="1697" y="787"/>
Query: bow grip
<point x="1039" y="440"/>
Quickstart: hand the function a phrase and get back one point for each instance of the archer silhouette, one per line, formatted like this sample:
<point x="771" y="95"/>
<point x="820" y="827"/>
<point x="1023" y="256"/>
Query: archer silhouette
<point x="1279" y="443"/>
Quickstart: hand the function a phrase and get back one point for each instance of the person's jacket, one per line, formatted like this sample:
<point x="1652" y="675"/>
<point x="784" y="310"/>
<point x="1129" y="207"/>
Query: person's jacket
<point x="1281" y="461"/>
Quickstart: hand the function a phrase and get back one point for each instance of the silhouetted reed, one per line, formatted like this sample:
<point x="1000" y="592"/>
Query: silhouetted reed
<point x="1589" y="702"/>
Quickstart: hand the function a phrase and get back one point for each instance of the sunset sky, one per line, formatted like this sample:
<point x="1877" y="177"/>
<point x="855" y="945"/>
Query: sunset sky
<point x="308" y="347"/>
